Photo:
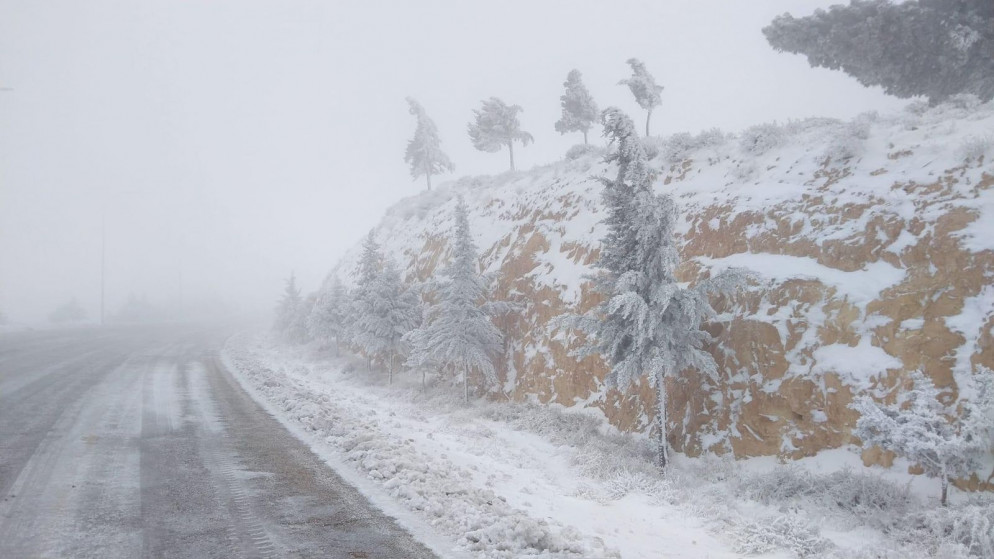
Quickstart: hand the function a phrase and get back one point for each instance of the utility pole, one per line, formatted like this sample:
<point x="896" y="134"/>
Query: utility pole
<point x="103" y="260"/>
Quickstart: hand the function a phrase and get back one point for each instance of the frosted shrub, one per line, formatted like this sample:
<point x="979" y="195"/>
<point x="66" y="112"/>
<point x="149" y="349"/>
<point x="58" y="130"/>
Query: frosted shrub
<point x="761" y="138"/>
<point x="784" y="532"/>
<point x="973" y="148"/>
<point x="867" y="495"/>
<point x="679" y="146"/>
<point x="652" y="146"/>
<point x="579" y="151"/>
<point x="779" y="485"/>
<point x="970" y="526"/>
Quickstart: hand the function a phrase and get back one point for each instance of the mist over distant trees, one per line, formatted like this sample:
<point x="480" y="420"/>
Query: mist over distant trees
<point x="328" y="319"/>
<point x="290" y="318"/>
<point x="424" y="153"/>
<point x="496" y="125"/>
<point x="932" y="48"/>
<point x="643" y="87"/>
<point x="69" y="311"/>
<point x="579" y="109"/>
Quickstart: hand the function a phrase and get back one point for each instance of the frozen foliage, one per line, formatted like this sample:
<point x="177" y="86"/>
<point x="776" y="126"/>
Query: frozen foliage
<point x="643" y="87"/>
<point x="579" y="151"/>
<point x="648" y="325"/>
<point x="920" y="428"/>
<point x="68" y="312"/>
<point x="790" y="532"/>
<point x="679" y="146"/>
<point x="424" y="152"/>
<point x="761" y="138"/>
<point x="329" y="317"/>
<point x="579" y="109"/>
<point x="934" y="48"/>
<point x="458" y="332"/>
<point x="977" y="148"/>
<point x="390" y="311"/>
<point x="496" y="126"/>
<point x="367" y="270"/>
<point x="970" y="526"/>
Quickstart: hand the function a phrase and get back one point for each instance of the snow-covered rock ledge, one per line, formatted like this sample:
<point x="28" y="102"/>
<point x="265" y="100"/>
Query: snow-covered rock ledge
<point x="504" y="479"/>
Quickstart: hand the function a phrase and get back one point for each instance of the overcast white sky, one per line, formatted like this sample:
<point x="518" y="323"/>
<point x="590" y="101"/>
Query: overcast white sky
<point x="229" y="142"/>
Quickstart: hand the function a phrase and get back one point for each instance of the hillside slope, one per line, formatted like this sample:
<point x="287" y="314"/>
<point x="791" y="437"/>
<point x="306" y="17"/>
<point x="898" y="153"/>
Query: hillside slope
<point x="872" y="239"/>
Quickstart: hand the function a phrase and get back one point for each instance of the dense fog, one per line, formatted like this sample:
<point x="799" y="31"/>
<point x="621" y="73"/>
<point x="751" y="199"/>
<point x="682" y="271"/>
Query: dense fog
<point x="220" y="146"/>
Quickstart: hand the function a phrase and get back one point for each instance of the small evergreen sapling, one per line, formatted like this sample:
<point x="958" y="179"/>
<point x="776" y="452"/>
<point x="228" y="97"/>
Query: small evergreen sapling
<point x="392" y="312"/>
<point x="289" y="323"/>
<point x="370" y="263"/>
<point x="923" y="430"/>
<point x="328" y="319"/>
<point x="579" y="109"/>
<point x="424" y="152"/>
<point x="648" y="324"/>
<point x="496" y="125"/>
<point x="643" y="87"/>
<point x="458" y="331"/>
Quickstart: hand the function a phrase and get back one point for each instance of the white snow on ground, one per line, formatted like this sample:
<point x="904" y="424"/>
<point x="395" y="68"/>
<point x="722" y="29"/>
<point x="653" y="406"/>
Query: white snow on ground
<point x="501" y="479"/>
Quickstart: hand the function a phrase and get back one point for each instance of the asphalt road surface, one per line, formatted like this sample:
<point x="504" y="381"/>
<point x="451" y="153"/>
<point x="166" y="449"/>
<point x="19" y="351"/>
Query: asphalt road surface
<point x="136" y="442"/>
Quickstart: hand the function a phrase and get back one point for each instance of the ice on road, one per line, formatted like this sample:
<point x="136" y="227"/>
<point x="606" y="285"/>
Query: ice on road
<point x="137" y="442"/>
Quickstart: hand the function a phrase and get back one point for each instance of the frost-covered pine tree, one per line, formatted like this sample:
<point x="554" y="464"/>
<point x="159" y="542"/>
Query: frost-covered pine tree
<point x="329" y="316"/>
<point x="920" y="428"/>
<point x="496" y="125"/>
<point x="579" y="109"/>
<point x="643" y="87"/>
<point x="458" y="331"/>
<point x="370" y="263"/>
<point x="424" y="152"/>
<point x="648" y="324"/>
<point x="288" y="322"/>
<point x="393" y="310"/>
<point x="934" y="48"/>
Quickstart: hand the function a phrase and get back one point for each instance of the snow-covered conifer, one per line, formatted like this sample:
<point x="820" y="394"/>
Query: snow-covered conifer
<point x="935" y="48"/>
<point x="328" y="319"/>
<point x="288" y="322"/>
<point x="579" y="108"/>
<point x="424" y="153"/>
<point x="458" y="331"/>
<point x="927" y="432"/>
<point x="496" y="125"/>
<point x="644" y="88"/>
<point x="370" y="263"/>
<point x="648" y="324"/>
<point x="392" y="310"/>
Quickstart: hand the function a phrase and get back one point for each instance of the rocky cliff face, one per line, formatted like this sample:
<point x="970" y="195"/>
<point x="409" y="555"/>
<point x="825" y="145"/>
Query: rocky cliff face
<point x="872" y="240"/>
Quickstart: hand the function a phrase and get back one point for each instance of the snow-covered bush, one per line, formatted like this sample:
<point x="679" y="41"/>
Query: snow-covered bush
<point x="791" y="532"/>
<point x="761" y="138"/>
<point x="975" y="147"/>
<point x="926" y="431"/>
<point x="969" y="525"/>
<point x="679" y="146"/>
<point x="579" y="151"/>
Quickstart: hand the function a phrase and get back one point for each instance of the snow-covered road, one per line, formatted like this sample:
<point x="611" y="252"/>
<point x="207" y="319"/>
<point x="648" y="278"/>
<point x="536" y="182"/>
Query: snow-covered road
<point x="137" y="442"/>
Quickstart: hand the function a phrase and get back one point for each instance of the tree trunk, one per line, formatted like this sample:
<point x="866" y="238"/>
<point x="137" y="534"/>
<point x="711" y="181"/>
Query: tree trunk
<point x="424" y="382"/>
<point x="390" y="368"/>
<point x="510" y="150"/>
<point x="945" y="486"/>
<point x="465" y="383"/>
<point x="428" y="178"/>
<point x="648" y="117"/>
<point x="369" y="363"/>
<point x="661" y="420"/>
<point x="585" y="138"/>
